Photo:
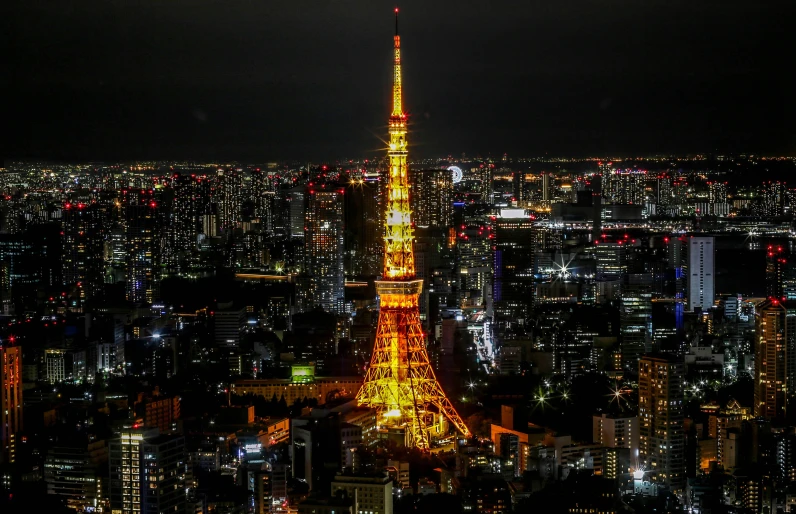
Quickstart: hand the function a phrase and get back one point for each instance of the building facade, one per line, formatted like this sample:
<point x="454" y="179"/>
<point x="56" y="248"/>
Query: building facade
<point x="660" y="411"/>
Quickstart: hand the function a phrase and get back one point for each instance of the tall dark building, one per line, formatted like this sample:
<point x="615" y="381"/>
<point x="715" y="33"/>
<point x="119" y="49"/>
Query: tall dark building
<point x="82" y="249"/>
<point x="324" y="247"/>
<point x="660" y="413"/>
<point x="32" y="262"/>
<point x="143" y="242"/>
<point x="363" y="226"/>
<point x="513" y="253"/>
<point x="431" y="197"/>
<point x="635" y="318"/>
<point x="780" y="273"/>
<point x="189" y="201"/>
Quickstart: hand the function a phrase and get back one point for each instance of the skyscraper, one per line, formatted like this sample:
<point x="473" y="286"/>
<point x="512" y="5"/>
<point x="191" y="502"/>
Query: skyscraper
<point x="660" y="412"/>
<point x="323" y="247"/>
<point x="775" y="357"/>
<point x="701" y="273"/>
<point x="10" y="399"/>
<point x="400" y="383"/>
<point x="431" y="197"/>
<point x="189" y="202"/>
<point x="363" y="226"/>
<point x="780" y="273"/>
<point x="611" y="260"/>
<point x="228" y="196"/>
<point x="635" y="318"/>
<point x="142" y="226"/>
<point x="513" y="252"/>
<point x="82" y="249"/>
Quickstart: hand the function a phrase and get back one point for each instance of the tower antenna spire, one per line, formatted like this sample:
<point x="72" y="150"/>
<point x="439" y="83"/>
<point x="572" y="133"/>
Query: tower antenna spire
<point x="396" y="20"/>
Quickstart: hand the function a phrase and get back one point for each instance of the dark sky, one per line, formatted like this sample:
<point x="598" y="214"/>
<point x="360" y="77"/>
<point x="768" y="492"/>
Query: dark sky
<point x="309" y="79"/>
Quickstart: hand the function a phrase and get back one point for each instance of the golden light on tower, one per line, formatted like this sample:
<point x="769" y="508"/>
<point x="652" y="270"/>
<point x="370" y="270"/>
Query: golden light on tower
<point x="400" y="382"/>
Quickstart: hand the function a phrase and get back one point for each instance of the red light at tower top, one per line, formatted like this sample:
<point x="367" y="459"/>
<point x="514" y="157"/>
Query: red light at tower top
<point x="396" y="10"/>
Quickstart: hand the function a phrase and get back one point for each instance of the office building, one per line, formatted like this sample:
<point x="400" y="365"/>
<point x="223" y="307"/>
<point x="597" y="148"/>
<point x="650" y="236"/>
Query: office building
<point x="75" y="472"/>
<point x="10" y="400"/>
<point x="55" y="365"/>
<point x="611" y="260"/>
<point x="147" y="473"/>
<point x="635" y="318"/>
<point x="324" y="248"/>
<point x="227" y="324"/>
<point x="371" y="494"/>
<point x="775" y="357"/>
<point x="701" y="273"/>
<point x="513" y="260"/>
<point x="660" y="412"/>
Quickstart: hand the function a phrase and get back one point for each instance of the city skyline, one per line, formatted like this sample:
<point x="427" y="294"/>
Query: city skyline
<point x="398" y="334"/>
<point x="295" y="81"/>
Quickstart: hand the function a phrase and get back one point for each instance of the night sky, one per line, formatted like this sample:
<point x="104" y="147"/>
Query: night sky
<point x="310" y="79"/>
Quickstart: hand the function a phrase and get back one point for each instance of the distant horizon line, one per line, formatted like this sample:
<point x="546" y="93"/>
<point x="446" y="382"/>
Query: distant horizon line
<point x="466" y="158"/>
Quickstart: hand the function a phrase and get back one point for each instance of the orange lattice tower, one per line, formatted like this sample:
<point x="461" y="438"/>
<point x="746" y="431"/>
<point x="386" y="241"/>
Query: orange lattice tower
<point x="400" y="382"/>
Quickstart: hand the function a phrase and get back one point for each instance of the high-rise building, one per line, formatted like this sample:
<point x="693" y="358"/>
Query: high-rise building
<point x="611" y="260"/>
<point x="295" y="205"/>
<point x="431" y="197"/>
<point x="363" y="226"/>
<point x="623" y="186"/>
<point x="513" y="254"/>
<point x="780" y="273"/>
<point x="660" y="412"/>
<point x="147" y="473"/>
<point x="717" y="195"/>
<point x="10" y="399"/>
<point x="189" y="202"/>
<point x="635" y="318"/>
<point x="143" y="228"/>
<point x="665" y="190"/>
<point x="262" y="193"/>
<point x="228" y="197"/>
<point x="75" y="471"/>
<point x="82" y="249"/>
<point x="227" y="324"/>
<point x="473" y="256"/>
<point x="773" y="199"/>
<point x="701" y="272"/>
<point x="55" y="365"/>
<point x="324" y="248"/>
<point x="484" y="174"/>
<point x="775" y="357"/>
<point x="617" y="432"/>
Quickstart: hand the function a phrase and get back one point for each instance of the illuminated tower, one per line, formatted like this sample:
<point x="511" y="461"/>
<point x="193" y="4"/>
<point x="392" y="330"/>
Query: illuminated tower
<point x="400" y="383"/>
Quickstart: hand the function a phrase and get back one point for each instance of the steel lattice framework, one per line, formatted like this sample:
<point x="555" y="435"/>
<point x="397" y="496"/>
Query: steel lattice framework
<point x="400" y="382"/>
